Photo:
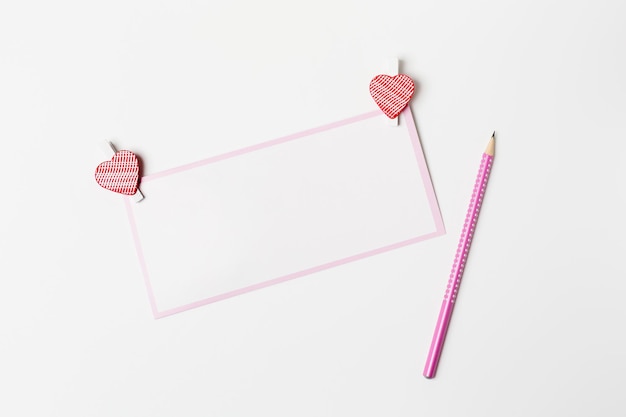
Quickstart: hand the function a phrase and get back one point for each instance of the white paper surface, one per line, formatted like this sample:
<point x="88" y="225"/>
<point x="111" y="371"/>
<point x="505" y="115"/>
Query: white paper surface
<point x="281" y="210"/>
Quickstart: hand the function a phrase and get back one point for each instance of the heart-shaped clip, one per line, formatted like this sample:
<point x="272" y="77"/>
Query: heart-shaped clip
<point x="392" y="93"/>
<point x="120" y="174"/>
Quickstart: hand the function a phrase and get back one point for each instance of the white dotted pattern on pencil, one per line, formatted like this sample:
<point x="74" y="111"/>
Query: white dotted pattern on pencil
<point x="468" y="229"/>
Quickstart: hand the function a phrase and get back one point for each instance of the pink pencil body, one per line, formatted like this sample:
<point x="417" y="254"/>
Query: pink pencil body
<point x="443" y="321"/>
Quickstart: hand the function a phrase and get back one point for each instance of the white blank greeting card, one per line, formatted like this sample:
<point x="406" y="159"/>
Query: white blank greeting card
<point x="282" y="209"/>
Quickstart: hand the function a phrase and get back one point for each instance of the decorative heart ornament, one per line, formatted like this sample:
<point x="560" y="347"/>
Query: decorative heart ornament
<point x="392" y="94"/>
<point x="120" y="174"/>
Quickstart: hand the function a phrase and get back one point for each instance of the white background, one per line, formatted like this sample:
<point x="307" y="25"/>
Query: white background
<point x="539" y="325"/>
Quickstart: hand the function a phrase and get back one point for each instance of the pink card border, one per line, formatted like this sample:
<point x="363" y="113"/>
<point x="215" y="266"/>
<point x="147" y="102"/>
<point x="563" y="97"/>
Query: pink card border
<point x="406" y="115"/>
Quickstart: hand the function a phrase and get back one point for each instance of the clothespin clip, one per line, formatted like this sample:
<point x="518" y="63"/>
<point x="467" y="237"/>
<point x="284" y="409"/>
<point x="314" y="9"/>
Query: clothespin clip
<point x="392" y="92"/>
<point x="121" y="173"/>
<point x="393" y="68"/>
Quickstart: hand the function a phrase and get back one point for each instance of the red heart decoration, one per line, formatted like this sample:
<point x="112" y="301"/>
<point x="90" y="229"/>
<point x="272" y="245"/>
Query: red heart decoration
<point x="120" y="174"/>
<point x="392" y="94"/>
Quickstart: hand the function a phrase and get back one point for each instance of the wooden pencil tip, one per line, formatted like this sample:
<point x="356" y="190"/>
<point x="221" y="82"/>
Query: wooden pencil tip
<point x="491" y="147"/>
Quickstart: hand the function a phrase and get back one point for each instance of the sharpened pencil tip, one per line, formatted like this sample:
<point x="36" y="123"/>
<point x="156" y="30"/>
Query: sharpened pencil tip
<point x="491" y="147"/>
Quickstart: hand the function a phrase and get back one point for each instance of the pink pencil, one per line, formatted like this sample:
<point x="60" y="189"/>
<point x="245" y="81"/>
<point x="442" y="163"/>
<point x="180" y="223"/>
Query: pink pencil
<point x="436" y="346"/>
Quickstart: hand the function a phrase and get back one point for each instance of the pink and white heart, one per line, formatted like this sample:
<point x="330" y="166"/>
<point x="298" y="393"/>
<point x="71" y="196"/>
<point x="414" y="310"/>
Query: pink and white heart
<point x="120" y="174"/>
<point x="392" y="94"/>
